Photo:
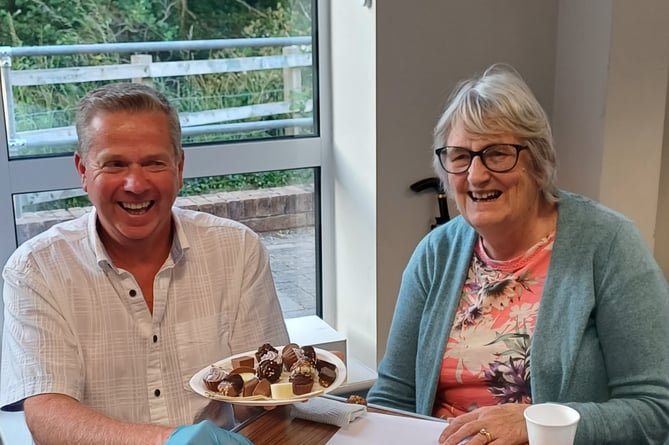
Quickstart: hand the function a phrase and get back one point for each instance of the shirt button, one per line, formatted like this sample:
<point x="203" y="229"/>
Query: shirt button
<point x="155" y="338"/>
<point x="132" y="292"/>
<point x="156" y="393"/>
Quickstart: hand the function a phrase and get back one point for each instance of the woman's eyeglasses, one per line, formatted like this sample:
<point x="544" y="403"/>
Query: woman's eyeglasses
<point x="498" y="158"/>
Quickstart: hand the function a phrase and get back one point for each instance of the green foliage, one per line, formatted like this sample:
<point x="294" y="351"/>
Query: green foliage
<point x="64" y="22"/>
<point x="247" y="181"/>
<point x="202" y="186"/>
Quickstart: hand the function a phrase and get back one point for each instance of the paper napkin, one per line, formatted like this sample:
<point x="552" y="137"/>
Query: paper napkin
<point x="328" y="411"/>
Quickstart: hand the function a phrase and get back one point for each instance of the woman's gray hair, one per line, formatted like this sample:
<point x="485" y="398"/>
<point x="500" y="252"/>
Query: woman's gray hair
<point x="131" y="97"/>
<point x="500" y="102"/>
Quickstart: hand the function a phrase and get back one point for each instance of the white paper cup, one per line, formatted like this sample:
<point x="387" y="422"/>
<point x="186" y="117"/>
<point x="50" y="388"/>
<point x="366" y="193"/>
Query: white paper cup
<point x="551" y="424"/>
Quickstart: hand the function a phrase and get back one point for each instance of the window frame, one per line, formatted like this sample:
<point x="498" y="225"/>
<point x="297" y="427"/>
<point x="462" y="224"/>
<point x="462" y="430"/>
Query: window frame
<point x="26" y="175"/>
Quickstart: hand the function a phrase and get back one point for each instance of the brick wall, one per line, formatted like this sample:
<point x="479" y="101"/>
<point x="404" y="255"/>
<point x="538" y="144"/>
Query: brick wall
<point x="264" y="210"/>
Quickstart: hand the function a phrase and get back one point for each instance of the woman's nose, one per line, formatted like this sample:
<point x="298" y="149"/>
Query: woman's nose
<point x="477" y="171"/>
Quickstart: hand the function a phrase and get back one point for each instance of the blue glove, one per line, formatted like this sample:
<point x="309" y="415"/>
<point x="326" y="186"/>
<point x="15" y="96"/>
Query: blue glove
<point x="205" y="433"/>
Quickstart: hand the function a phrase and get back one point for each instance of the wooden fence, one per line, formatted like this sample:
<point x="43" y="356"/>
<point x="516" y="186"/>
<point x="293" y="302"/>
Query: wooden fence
<point x="296" y="54"/>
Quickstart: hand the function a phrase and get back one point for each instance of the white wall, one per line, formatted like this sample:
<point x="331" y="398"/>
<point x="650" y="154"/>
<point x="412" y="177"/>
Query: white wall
<point x="600" y="69"/>
<point x="393" y="66"/>
<point x="580" y="91"/>
<point x="610" y="100"/>
<point x="354" y="169"/>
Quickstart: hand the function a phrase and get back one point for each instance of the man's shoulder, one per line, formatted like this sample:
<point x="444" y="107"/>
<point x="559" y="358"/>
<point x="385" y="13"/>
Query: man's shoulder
<point x="72" y="229"/>
<point x="59" y="236"/>
<point x="201" y="222"/>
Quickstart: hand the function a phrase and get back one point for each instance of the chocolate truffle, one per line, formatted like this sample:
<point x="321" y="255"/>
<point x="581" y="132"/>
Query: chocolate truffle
<point x="213" y="377"/>
<point x="270" y="370"/>
<point x="288" y="355"/>
<point x="302" y="384"/>
<point x="231" y="385"/>
<point x="264" y="349"/>
<point x="309" y="353"/>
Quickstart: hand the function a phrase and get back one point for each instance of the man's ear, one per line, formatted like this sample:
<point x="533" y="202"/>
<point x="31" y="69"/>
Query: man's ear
<point x="180" y="167"/>
<point x="80" y="165"/>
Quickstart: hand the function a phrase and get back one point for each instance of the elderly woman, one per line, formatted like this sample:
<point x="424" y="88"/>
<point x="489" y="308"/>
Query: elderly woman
<point x="531" y="295"/>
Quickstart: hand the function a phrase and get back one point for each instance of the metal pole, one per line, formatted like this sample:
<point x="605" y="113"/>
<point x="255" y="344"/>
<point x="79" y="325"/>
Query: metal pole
<point x="7" y="95"/>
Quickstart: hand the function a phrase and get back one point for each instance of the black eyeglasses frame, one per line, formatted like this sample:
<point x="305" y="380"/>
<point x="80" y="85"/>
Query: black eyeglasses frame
<point x="479" y="153"/>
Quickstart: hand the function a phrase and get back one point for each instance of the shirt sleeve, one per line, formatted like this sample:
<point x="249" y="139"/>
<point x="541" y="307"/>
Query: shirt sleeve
<point x="39" y="351"/>
<point x="259" y="318"/>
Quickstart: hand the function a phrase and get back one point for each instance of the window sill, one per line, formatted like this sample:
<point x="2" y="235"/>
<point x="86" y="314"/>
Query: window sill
<point x="311" y="330"/>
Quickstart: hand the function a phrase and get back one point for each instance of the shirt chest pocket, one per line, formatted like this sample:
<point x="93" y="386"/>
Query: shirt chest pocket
<point x="201" y="342"/>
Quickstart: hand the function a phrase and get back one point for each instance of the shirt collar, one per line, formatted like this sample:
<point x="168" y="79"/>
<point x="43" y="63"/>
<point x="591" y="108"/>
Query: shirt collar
<point x="179" y="243"/>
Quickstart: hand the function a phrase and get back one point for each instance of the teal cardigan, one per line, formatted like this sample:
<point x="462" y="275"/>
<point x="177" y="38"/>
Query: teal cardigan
<point x="601" y="341"/>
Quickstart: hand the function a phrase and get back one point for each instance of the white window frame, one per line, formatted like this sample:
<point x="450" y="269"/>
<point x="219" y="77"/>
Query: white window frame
<point x="27" y="175"/>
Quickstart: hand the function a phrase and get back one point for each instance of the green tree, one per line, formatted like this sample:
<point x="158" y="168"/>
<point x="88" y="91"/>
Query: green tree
<point x="68" y="22"/>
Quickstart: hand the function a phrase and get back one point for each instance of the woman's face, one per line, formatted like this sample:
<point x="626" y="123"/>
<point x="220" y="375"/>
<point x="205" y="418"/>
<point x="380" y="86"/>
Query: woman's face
<point x="489" y="200"/>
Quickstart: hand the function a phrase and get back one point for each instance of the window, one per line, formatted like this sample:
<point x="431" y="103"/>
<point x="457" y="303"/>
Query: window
<point x="244" y="77"/>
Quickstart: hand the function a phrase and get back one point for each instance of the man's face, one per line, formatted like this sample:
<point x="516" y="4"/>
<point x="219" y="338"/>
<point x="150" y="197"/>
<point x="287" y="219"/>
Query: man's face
<point x="132" y="176"/>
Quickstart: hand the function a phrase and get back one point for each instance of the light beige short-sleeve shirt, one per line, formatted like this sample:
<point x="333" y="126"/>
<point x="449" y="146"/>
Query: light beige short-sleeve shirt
<point x="77" y="325"/>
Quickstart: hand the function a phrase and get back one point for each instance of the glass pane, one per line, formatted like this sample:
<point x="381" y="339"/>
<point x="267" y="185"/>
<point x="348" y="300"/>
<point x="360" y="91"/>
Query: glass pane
<point x="234" y="72"/>
<point x="277" y="205"/>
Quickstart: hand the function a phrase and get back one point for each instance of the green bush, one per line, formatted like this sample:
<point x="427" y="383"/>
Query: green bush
<point x="64" y="22"/>
<point x="203" y="186"/>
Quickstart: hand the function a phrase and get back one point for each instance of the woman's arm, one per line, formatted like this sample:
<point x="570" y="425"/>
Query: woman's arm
<point x="631" y="319"/>
<point x="395" y="386"/>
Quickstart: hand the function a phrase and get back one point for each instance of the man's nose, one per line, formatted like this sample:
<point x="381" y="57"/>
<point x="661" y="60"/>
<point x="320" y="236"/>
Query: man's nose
<point x="136" y="180"/>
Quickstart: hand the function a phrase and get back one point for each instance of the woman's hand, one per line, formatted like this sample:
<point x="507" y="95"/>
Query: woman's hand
<point x="504" y="423"/>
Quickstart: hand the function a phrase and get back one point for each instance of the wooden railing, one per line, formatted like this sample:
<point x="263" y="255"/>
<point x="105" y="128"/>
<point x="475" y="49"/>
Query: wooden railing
<point x="296" y="53"/>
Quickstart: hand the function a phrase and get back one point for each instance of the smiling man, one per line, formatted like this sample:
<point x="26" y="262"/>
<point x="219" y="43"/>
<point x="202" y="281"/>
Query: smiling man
<point x="109" y="315"/>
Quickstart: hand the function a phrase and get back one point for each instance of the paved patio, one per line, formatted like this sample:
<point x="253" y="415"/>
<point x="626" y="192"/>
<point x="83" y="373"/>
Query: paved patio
<point x="292" y="257"/>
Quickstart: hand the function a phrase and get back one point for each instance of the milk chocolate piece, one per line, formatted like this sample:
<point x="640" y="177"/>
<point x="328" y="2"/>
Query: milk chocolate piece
<point x="263" y="388"/>
<point x="250" y="386"/>
<point x="243" y="362"/>
<point x="323" y="363"/>
<point x="326" y="376"/>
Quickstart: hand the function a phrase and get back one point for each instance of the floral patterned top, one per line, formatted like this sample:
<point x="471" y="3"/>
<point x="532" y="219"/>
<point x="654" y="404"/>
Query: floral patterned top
<point x="487" y="355"/>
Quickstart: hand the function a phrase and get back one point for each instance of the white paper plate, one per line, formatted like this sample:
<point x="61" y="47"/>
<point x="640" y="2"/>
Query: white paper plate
<point x="197" y="384"/>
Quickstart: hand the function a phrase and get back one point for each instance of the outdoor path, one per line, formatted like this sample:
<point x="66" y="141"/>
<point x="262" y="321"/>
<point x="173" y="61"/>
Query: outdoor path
<point x="292" y="258"/>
